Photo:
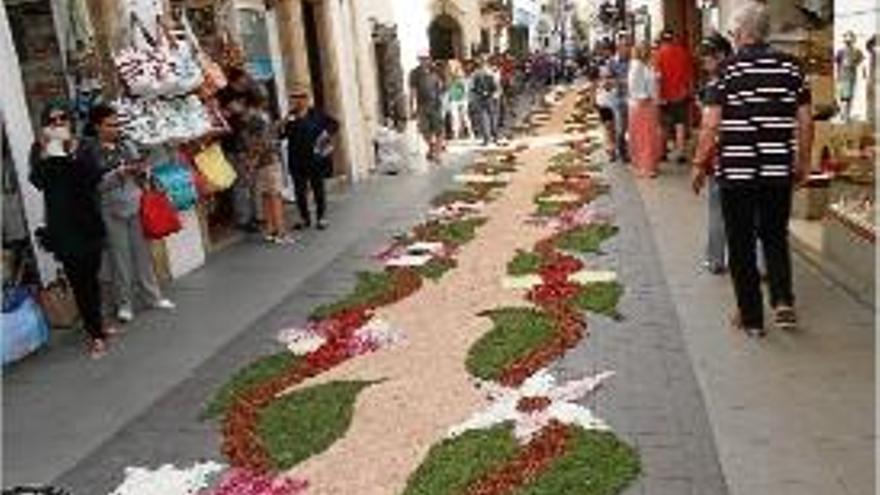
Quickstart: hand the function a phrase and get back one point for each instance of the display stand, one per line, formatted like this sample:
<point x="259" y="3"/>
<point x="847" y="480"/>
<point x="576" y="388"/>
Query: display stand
<point x="850" y="244"/>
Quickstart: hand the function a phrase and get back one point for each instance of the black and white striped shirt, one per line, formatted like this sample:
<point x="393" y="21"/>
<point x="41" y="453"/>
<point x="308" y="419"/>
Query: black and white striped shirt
<point x="760" y="91"/>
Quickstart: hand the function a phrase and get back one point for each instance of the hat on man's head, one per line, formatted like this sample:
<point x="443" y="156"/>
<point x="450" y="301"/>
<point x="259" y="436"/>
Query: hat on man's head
<point x="299" y="89"/>
<point x="667" y="35"/>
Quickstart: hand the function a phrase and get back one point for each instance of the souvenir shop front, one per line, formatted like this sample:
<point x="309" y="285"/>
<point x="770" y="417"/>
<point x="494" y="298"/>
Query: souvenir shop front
<point x="160" y="68"/>
<point x="835" y="215"/>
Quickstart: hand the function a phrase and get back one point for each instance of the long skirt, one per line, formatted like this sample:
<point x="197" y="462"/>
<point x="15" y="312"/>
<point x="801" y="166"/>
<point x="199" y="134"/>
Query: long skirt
<point x="645" y="137"/>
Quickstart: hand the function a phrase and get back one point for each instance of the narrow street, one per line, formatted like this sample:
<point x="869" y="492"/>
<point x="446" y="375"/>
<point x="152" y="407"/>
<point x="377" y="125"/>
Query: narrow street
<point x="707" y="411"/>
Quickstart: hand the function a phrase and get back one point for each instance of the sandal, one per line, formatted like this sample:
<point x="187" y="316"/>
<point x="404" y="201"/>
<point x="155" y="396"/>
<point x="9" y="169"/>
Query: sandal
<point x="737" y="324"/>
<point x="785" y="318"/>
<point x="113" y="332"/>
<point x="97" y="349"/>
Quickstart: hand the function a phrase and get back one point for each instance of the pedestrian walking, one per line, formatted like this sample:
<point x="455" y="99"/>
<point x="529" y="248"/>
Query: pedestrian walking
<point x="644" y="116"/>
<point x="457" y="90"/>
<point x="485" y="90"/>
<point x="264" y="164"/>
<point x="310" y="133"/>
<point x="714" y="51"/>
<point x="619" y="65"/>
<point x="426" y="103"/>
<point x="760" y="114"/>
<point x="122" y="170"/>
<point x="74" y="229"/>
<point x="675" y="67"/>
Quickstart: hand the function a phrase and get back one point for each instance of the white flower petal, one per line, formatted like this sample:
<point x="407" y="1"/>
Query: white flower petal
<point x="577" y="389"/>
<point x="167" y="480"/>
<point x="301" y="341"/>
<point x="496" y="413"/>
<point x="521" y="282"/>
<point x="527" y="425"/>
<point x="573" y="414"/>
<point x="592" y="277"/>
<point x="407" y="260"/>
<point x="306" y="345"/>
<point x="540" y="384"/>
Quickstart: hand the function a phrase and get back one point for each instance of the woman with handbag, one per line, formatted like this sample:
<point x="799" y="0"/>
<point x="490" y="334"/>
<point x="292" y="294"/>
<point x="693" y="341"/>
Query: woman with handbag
<point x="120" y="195"/>
<point x="74" y="230"/>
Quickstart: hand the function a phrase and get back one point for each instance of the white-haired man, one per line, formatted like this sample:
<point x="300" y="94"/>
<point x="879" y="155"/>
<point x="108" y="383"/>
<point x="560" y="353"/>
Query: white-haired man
<point x="760" y="115"/>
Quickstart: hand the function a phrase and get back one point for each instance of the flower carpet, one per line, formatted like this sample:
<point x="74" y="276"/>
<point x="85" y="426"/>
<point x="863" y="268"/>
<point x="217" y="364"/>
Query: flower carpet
<point x="434" y="374"/>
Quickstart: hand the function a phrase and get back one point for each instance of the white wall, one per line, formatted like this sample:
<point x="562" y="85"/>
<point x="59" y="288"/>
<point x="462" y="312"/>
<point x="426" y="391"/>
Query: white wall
<point x="14" y="111"/>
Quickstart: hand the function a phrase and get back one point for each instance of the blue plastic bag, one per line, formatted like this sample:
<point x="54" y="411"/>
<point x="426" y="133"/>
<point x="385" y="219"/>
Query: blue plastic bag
<point x="24" y="327"/>
<point x="176" y="181"/>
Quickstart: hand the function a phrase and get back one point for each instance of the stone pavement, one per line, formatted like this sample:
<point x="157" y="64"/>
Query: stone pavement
<point x="653" y="401"/>
<point x="793" y="414"/>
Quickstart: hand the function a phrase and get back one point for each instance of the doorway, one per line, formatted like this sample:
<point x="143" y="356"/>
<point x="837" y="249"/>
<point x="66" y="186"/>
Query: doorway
<point x="389" y="74"/>
<point x="445" y="38"/>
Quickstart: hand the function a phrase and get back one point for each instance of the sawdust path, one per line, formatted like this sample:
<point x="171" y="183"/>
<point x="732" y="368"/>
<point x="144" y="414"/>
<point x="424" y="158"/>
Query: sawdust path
<point x="426" y="388"/>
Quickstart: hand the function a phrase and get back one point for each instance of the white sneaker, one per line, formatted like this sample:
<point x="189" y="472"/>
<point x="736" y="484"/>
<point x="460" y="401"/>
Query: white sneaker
<point x="164" y="304"/>
<point x="284" y="240"/>
<point x="124" y="315"/>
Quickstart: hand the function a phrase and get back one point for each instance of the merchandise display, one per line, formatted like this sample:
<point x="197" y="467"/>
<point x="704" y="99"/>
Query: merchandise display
<point x="860" y="214"/>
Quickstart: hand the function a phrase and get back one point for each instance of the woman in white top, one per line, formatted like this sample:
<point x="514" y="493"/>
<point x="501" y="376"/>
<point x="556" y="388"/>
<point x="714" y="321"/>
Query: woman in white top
<point x="646" y="140"/>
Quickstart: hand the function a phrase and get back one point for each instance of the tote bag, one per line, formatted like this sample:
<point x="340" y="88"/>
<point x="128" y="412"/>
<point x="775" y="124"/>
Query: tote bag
<point x="24" y="328"/>
<point x="159" y="219"/>
<point x="144" y="66"/>
<point x="176" y="180"/>
<point x="215" y="168"/>
<point x="59" y="304"/>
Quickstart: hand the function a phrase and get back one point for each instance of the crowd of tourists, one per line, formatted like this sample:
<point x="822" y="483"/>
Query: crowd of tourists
<point x="93" y="177"/>
<point x="93" y="180"/>
<point x="755" y="134"/>
<point x="474" y="99"/>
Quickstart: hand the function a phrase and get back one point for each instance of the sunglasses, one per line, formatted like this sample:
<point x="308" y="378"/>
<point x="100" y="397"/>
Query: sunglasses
<point x="57" y="118"/>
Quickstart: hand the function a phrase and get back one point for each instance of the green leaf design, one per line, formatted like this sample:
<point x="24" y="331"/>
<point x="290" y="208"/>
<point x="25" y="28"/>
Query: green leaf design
<point x="245" y="378"/>
<point x="595" y="463"/>
<point x="601" y="298"/>
<point x="436" y="268"/>
<point x="370" y="286"/>
<point x="524" y="263"/>
<point x="453" y="464"/>
<point x="586" y="239"/>
<point x="455" y="233"/>
<point x="307" y="422"/>
<point x="517" y="332"/>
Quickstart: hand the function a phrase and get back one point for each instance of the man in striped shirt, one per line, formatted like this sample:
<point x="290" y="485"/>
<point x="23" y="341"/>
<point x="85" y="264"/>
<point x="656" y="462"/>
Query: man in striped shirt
<point x="759" y="114"/>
